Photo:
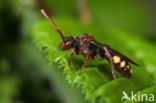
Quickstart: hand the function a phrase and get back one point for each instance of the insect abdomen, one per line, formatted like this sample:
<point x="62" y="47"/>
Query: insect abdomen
<point x="122" y="66"/>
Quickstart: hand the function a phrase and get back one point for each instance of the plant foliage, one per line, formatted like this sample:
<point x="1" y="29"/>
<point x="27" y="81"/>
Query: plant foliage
<point x="96" y="80"/>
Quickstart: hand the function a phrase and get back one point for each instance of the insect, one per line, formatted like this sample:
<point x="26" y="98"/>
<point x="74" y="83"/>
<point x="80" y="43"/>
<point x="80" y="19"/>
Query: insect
<point x="85" y="44"/>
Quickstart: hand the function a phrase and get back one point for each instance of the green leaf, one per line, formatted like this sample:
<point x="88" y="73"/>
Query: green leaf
<point x="96" y="80"/>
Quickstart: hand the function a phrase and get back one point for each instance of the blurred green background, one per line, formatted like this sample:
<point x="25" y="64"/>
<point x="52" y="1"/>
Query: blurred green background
<point x="34" y="70"/>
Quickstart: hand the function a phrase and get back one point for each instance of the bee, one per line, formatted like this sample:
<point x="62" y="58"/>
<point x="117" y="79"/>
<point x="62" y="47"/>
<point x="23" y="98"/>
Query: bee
<point x="85" y="44"/>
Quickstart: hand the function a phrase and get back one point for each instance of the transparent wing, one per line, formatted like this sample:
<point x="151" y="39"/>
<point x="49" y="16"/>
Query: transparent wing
<point x="122" y="56"/>
<point x="114" y="52"/>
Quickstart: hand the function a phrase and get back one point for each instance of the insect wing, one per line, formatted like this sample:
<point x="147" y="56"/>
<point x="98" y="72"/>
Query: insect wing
<point x="122" y="56"/>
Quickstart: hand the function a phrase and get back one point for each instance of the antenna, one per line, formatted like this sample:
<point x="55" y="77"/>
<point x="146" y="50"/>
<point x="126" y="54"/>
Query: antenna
<point x="52" y="22"/>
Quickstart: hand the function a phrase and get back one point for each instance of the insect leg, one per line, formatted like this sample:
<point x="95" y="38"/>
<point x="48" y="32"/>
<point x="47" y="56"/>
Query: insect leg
<point x="86" y="60"/>
<point x="93" y="57"/>
<point x="111" y="62"/>
<point x="71" y="55"/>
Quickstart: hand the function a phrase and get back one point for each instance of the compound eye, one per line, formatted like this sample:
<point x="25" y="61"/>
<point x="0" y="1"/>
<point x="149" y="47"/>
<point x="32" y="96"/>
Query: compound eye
<point x="69" y="43"/>
<point x="62" y="44"/>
